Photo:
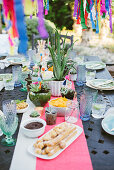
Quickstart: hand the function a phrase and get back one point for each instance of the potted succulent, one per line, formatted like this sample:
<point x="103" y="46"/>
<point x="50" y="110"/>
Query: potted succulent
<point x="61" y="64"/>
<point x="67" y="93"/>
<point x="39" y="93"/>
<point x="72" y="74"/>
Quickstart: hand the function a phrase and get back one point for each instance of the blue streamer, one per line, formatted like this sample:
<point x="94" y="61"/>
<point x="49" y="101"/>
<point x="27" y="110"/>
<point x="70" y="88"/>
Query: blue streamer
<point x="91" y="18"/>
<point x="97" y="24"/>
<point x="21" y="27"/>
<point x="48" y="5"/>
<point x="107" y="5"/>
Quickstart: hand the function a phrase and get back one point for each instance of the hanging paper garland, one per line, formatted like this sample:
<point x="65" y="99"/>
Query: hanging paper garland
<point x="22" y="49"/>
<point x="41" y="25"/>
<point x="96" y="8"/>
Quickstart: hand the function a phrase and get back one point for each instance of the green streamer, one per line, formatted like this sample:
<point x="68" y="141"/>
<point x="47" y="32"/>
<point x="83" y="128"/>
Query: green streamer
<point x="82" y="16"/>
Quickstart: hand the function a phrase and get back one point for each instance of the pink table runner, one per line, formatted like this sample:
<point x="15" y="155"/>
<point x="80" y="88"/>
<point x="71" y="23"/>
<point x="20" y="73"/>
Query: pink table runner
<point x="75" y="157"/>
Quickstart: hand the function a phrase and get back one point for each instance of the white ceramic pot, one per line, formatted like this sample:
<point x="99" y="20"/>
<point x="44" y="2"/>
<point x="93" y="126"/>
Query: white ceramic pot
<point x="55" y="87"/>
<point x="72" y="77"/>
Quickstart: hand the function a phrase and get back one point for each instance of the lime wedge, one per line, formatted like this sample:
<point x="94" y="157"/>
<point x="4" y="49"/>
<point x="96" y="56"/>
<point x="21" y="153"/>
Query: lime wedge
<point x="97" y="106"/>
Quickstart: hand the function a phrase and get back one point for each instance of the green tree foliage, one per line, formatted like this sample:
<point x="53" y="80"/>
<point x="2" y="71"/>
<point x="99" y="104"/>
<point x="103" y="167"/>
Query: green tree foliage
<point x="32" y="25"/>
<point x="60" y="13"/>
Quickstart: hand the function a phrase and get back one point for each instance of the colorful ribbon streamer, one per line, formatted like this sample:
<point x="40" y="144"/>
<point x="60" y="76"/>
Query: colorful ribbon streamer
<point x="22" y="49"/>
<point x="41" y="25"/>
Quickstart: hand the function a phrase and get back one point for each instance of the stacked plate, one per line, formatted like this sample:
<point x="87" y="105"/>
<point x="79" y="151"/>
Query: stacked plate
<point x="108" y="121"/>
<point x="101" y="84"/>
<point x="95" y="65"/>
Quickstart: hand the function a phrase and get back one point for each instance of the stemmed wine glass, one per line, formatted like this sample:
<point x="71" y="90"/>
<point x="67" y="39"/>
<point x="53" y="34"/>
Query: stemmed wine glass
<point x="9" y="122"/>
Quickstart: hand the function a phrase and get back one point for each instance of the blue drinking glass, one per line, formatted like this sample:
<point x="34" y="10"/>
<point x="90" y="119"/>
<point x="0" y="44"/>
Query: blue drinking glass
<point x="89" y="95"/>
<point x="81" y="75"/>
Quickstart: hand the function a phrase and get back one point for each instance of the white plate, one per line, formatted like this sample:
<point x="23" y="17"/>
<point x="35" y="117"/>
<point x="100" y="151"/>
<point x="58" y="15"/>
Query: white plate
<point x="96" y="84"/>
<point x="23" y="110"/>
<point x="95" y="65"/>
<point x="108" y="124"/>
<point x="31" y="148"/>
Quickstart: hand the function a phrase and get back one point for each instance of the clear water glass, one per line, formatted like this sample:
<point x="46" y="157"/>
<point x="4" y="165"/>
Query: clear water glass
<point x="9" y="122"/>
<point x="86" y="100"/>
<point x="32" y="57"/>
<point x="81" y="75"/>
<point x="98" y="108"/>
<point x="9" y="84"/>
<point x="24" y="75"/>
<point x="90" y="74"/>
<point x="16" y="70"/>
<point x="72" y="112"/>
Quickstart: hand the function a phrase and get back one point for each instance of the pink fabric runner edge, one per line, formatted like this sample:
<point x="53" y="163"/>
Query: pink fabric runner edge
<point x="75" y="157"/>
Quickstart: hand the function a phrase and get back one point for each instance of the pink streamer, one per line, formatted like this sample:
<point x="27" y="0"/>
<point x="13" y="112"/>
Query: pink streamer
<point x="10" y="40"/>
<point x="103" y="10"/>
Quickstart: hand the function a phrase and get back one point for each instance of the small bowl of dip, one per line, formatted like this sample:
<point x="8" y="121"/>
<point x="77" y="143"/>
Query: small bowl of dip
<point x="33" y="127"/>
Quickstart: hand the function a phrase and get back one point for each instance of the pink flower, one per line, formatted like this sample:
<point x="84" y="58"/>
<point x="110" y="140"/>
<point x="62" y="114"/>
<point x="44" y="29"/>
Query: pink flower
<point x="67" y="77"/>
<point x="35" y="83"/>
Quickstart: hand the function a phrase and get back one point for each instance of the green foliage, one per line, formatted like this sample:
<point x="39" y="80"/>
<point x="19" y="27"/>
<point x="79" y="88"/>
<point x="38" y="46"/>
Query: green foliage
<point x="32" y="25"/>
<point x="37" y="89"/>
<point x="68" y="93"/>
<point x="61" y="65"/>
<point x="60" y="13"/>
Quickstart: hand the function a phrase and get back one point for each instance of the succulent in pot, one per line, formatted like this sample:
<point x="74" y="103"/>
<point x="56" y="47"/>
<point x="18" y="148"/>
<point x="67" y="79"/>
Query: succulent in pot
<point x="67" y="93"/>
<point x="72" y="74"/>
<point x="39" y="93"/>
<point x="61" y="64"/>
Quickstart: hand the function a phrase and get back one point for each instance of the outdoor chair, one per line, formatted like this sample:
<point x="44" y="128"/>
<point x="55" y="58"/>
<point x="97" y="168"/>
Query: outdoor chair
<point x="36" y="37"/>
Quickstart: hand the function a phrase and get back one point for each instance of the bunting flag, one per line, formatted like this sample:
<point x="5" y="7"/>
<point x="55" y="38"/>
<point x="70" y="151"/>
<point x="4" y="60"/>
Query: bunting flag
<point x="14" y="11"/>
<point x="97" y="10"/>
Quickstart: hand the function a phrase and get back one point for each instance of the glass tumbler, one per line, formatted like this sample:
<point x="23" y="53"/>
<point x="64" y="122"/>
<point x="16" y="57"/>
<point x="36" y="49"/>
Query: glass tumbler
<point x="9" y="122"/>
<point x="24" y="75"/>
<point x="98" y="107"/>
<point x="86" y="100"/>
<point x="72" y="112"/>
<point x="16" y="70"/>
<point x="81" y="75"/>
<point x="8" y="84"/>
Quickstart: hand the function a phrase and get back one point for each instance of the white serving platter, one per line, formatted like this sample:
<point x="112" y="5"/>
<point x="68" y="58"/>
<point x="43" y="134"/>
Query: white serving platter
<point x="31" y="148"/>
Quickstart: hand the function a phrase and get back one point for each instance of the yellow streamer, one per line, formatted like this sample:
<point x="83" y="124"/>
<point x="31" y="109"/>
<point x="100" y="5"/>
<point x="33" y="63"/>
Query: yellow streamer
<point x="99" y="17"/>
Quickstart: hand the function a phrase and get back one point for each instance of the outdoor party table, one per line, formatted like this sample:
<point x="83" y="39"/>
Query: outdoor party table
<point x="100" y="144"/>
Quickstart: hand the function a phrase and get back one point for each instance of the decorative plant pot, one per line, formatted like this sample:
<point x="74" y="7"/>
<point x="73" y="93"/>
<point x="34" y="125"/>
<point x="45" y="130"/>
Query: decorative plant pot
<point x="55" y="87"/>
<point x="72" y="77"/>
<point x="39" y="99"/>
